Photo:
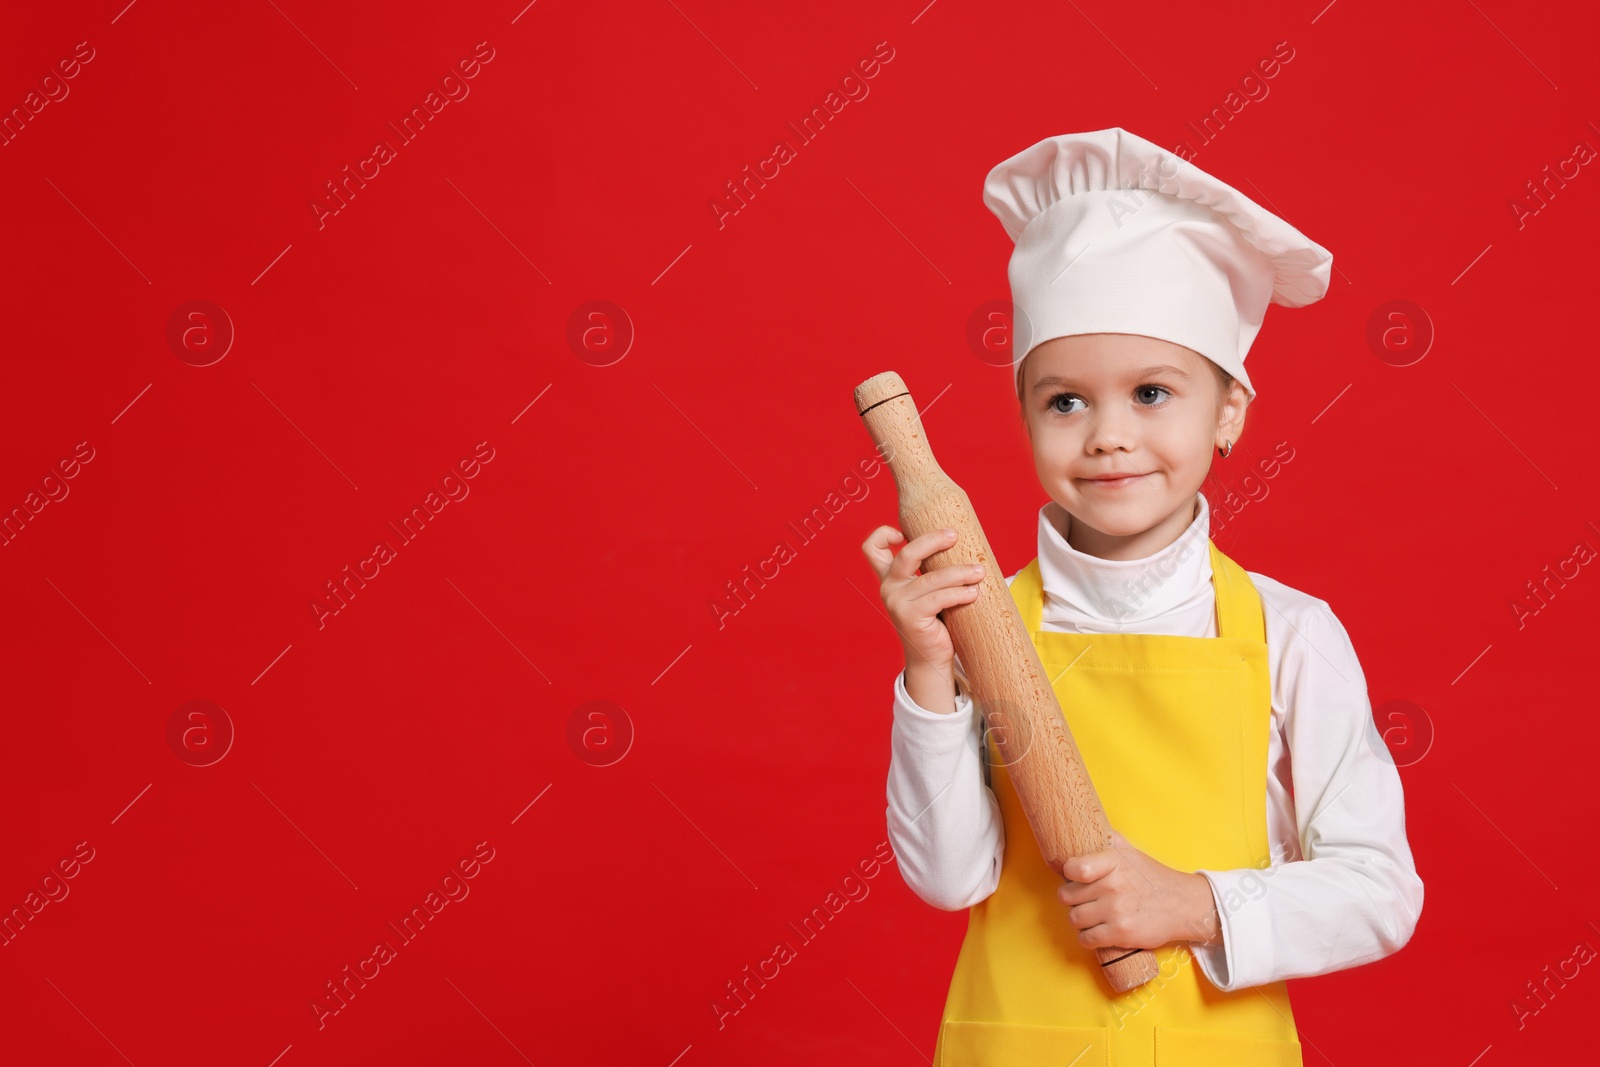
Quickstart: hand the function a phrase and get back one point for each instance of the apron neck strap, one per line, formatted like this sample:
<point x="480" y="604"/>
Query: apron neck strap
<point x="1238" y="603"/>
<point x="1239" y="611"/>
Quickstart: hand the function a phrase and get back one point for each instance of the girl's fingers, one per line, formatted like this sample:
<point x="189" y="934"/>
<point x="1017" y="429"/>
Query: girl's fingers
<point x="919" y="549"/>
<point x="876" y="548"/>
<point x="936" y="600"/>
<point x="962" y="574"/>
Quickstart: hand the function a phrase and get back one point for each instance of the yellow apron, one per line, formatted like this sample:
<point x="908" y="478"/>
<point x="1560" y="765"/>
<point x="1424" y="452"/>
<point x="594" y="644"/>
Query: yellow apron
<point x="1173" y="731"/>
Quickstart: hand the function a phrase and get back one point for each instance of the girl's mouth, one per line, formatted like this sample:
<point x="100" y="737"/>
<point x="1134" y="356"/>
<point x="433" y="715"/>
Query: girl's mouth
<point x="1112" y="483"/>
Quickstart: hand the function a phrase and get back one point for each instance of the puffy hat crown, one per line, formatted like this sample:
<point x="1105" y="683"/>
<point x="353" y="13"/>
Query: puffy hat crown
<point x="1115" y="234"/>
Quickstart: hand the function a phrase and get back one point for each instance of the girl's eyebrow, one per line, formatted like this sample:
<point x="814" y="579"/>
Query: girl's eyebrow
<point x="1055" y="379"/>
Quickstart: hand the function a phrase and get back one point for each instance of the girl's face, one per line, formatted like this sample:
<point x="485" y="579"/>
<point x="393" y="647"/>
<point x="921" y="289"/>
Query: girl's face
<point x="1144" y="409"/>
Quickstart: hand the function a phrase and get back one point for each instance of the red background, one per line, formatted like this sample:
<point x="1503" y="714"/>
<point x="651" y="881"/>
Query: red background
<point x="373" y="353"/>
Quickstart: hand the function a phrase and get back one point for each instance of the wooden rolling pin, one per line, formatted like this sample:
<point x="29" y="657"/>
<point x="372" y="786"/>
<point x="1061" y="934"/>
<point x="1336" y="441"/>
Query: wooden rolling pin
<point x="997" y="655"/>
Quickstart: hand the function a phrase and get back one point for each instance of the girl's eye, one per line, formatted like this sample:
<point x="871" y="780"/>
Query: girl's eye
<point x="1055" y="401"/>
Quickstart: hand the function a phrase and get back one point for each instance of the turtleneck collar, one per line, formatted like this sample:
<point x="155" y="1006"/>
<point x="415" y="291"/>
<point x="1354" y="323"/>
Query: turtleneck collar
<point x="1120" y="594"/>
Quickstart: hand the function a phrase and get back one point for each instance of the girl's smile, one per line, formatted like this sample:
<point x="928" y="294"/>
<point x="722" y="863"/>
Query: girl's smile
<point x="1112" y="481"/>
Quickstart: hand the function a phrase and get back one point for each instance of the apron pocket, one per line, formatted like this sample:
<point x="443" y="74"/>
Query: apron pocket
<point x="1206" y="1048"/>
<point x="990" y="1044"/>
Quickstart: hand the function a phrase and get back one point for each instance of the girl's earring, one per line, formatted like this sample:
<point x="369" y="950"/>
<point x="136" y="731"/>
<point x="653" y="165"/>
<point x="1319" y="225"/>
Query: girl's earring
<point x="1227" y="447"/>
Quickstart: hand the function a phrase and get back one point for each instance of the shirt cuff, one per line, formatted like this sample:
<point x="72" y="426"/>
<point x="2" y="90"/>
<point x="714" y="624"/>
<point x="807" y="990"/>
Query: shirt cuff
<point x="1213" y="958"/>
<point x="1244" y="958"/>
<point x="906" y="708"/>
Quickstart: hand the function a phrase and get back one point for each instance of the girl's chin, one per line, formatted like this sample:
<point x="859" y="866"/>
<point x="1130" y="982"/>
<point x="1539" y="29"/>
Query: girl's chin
<point x="1117" y="512"/>
<point x="1115" y="525"/>
<point x="1135" y="494"/>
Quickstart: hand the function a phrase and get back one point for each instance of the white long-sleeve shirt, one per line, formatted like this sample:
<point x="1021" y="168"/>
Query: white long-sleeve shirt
<point x="1342" y="889"/>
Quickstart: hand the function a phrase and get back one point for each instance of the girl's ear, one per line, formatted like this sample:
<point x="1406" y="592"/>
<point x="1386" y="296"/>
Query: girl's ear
<point x="1231" y="416"/>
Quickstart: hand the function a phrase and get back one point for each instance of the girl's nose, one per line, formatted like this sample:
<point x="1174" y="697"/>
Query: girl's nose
<point x="1108" y="432"/>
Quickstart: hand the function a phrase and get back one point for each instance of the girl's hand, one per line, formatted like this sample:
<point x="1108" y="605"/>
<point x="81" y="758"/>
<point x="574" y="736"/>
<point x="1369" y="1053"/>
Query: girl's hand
<point x="1123" y="898"/>
<point x="913" y="602"/>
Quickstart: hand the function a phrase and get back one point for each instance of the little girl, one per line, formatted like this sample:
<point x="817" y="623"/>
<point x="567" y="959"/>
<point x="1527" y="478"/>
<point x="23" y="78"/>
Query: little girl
<point x="1258" y="827"/>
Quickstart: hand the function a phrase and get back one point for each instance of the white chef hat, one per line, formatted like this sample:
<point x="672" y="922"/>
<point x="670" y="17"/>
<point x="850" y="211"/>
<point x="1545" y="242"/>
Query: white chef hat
<point x="1117" y="235"/>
